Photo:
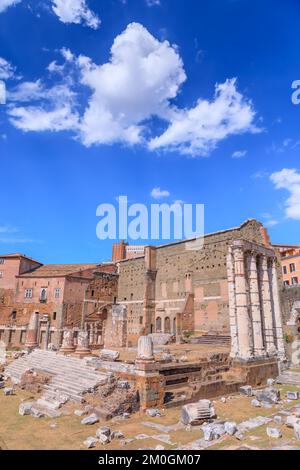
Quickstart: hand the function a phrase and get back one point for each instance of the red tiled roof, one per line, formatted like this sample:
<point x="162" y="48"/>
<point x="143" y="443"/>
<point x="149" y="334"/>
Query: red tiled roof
<point x="59" y="270"/>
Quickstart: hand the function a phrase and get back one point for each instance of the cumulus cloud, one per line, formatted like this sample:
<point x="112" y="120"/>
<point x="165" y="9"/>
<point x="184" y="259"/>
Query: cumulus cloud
<point x="198" y="130"/>
<point x="6" y="69"/>
<point x="239" y="153"/>
<point x="75" y="11"/>
<point x="289" y="179"/>
<point x="139" y="82"/>
<point x="4" y="4"/>
<point x="158" y="193"/>
<point x="142" y="75"/>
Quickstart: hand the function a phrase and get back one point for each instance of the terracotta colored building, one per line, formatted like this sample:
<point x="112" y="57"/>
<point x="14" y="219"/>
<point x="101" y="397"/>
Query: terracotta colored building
<point x="290" y="262"/>
<point x="55" y="292"/>
<point x="12" y="265"/>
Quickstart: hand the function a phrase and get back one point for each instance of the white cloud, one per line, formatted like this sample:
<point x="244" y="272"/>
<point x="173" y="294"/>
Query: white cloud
<point x="75" y="11"/>
<point x="140" y="81"/>
<point x="289" y="179"/>
<point x="142" y="75"/>
<point x="4" y="4"/>
<point x="198" y="130"/>
<point x="239" y="153"/>
<point x="56" y="113"/>
<point x="158" y="193"/>
<point x="6" y="69"/>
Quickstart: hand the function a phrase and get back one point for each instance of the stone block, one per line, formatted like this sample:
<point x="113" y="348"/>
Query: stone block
<point x="197" y="413"/>
<point x="269" y="395"/>
<point x="292" y="395"/>
<point x="25" y="408"/>
<point x="246" y="390"/>
<point x="297" y="430"/>
<point x="92" y="419"/>
<point x="255" y="403"/>
<point x="8" y="391"/>
<point x="274" y="433"/>
<point x="90" y="442"/>
<point x="109" y="355"/>
<point x="230" y="428"/>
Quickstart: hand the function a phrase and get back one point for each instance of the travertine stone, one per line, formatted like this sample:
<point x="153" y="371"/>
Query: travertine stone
<point x="242" y="310"/>
<point x="255" y="305"/>
<point x="277" y="312"/>
<point x="32" y="332"/>
<point x="267" y="304"/>
<point x="145" y="349"/>
<point x="68" y="342"/>
<point x="82" y="348"/>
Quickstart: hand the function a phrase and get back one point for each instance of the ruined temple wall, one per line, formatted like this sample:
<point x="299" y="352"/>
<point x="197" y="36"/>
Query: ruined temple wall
<point x="181" y="271"/>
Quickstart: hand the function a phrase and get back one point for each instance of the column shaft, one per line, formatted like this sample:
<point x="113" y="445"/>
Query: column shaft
<point x="277" y="313"/>
<point x="267" y="304"/>
<point x="255" y="305"/>
<point x="242" y="310"/>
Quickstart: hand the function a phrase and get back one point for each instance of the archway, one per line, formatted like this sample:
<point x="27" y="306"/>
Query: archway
<point x="158" y="325"/>
<point x="167" y="328"/>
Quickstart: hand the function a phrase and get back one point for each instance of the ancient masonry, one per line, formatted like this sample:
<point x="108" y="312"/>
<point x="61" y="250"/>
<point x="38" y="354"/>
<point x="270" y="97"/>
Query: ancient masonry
<point x="228" y="289"/>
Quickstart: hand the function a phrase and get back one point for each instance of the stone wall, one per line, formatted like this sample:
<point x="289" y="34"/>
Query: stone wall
<point x="159" y="297"/>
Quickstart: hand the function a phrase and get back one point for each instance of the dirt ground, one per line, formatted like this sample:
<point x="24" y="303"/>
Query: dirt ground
<point x="67" y="432"/>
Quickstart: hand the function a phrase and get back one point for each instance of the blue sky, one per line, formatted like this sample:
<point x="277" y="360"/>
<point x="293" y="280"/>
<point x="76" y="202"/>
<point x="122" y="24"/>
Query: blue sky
<point x="100" y="105"/>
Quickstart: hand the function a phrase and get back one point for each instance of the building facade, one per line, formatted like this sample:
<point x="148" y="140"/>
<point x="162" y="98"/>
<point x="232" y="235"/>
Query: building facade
<point x="290" y="262"/>
<point x="228" y="287"/>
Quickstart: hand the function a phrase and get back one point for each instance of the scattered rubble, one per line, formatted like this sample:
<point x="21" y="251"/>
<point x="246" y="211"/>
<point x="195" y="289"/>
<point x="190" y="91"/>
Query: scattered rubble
<point x="8" y="391"/>
<point x="246" y="390"/>
<point x="80" y="413"/>
<point x="274" y="433"/>
<point x="109" y="355"/>
<point x="255" y="403"/>
<point x="92" y="419"/>
<point x="153" y="412"/>
<point x="90" y="442"/>
<point x="268" y="395"/>
<point x="230" y="427"/>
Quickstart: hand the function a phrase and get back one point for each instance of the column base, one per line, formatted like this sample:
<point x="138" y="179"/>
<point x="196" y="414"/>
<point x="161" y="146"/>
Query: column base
<point x="80" y="353"/>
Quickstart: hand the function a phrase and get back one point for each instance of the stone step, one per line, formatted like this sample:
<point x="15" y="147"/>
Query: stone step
<point x="68" y="376"/>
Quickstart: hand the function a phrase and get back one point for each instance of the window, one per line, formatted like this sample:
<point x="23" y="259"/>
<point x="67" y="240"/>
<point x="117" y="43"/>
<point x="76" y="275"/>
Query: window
<point x="14" y="315"/>
<point x="292" y="267"/>
<point x="1" y="274"/>
<point x="1" y="261"/>
<point x="54" y="315"/>
<point x="57" y="292"/>
<point x="294" y="280"/>
<point x="93" y="292"/>
<point x="284" y="269"/>
<point x="286" y="283"/>
<point x="141" y="320"/>
<point x="43" y="295"/>
<point x="28" y="293"/>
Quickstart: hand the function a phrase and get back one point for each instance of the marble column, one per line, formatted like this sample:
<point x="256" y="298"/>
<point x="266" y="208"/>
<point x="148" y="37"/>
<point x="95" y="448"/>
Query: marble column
<point x="277" y="312"/>
<point x="242" y="310"/>
<point x="267" y="304"/>
<point x="83" y="348"/>
<point x="255" y="306"/>
<point x="232" y="307"/>
<point x="145" y="349"/>
<point x="32" y="332"/>
<point x="68" y="342"/>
